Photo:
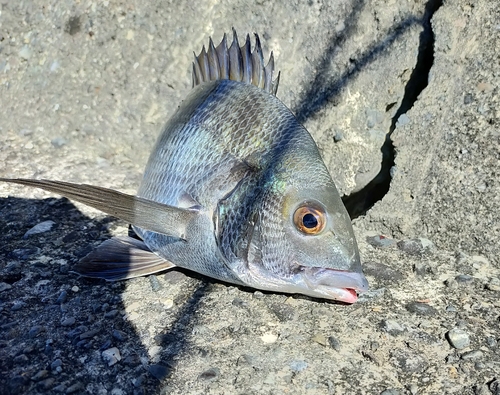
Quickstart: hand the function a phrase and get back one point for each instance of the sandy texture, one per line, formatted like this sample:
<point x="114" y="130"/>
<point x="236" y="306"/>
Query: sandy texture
<point x="85" y="88"/>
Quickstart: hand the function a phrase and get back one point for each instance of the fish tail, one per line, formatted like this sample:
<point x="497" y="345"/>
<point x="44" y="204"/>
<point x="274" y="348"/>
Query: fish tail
<point x="237" y="63"/>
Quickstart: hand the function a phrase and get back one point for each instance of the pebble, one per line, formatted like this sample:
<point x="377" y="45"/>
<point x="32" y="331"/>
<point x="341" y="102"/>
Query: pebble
<point x="420" y="308"/>
<point x="89" y="334"/>
<point x="320" y="339"/>
<point x="168" y="303"/>
<point x="74" y="388"/>
<point x="63" y="296"/>
<point x="155" y="284"/>
<point x="392" y="327"/>
<point x="269" y="338"/>
<point x="42" y="227"/>
<point x="25" y="53"/>
<point x="119" y="335"/>
<point x="391" y="391"/>
<point x="4" y="286"/>
<point x="334" y="343"/>
<point x="111" y="313"/>
<point x="75" y="288"/>
<point x="20" y="359"/>
<point x="458" y="338"/>
<point x="58" y="142"/>
<point x="57" y="363"/>
<point x="411" y="246"/>
<point x="210" y="374"/>
<point x="472" y="355"/>
<point x="17" y="305"/>
<point x="40" y="375"/>
<point x="159" y="371"/>
<point x="111" y="356"/>
<point x="464" y="279"/>
<point x="46" y="384"/>
<point x="493" y="285"/>
<point x="68" y="321"/>
<point x="298" y="366"/>
<point x="481" y="389"/>
<point x="380" y="241"/>
<point x="35" y="331"/>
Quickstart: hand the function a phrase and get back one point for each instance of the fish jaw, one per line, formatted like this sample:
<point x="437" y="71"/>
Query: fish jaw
<point x="317" y="282"/>
<point x="339" y="285"/>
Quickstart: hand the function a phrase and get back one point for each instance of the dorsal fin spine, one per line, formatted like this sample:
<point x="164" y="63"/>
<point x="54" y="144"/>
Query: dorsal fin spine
<point x="236" y="63"/>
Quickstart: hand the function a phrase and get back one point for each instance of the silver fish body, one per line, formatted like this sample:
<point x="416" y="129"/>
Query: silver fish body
<point x="237" y="153"/>
<point x="235" y="189"/>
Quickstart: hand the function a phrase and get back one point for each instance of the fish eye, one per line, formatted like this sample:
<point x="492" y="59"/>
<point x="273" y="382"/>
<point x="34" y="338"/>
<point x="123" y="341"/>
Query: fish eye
<point x="309" y="219"/>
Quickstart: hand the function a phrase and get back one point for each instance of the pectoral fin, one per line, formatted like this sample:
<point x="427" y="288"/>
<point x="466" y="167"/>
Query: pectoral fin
<point x="121" y="258"/>
<point x="143" y="213"/>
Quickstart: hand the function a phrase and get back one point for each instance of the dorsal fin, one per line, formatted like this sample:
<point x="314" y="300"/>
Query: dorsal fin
<point x="235" y="63"/>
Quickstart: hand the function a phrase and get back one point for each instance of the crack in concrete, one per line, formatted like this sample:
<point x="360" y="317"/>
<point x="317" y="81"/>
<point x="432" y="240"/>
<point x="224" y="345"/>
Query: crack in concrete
<point x="359" y="203"/>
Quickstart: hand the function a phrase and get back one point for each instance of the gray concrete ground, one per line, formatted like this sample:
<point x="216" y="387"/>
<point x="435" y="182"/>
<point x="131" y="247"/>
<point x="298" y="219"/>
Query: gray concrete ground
<point x="85" y="88"/>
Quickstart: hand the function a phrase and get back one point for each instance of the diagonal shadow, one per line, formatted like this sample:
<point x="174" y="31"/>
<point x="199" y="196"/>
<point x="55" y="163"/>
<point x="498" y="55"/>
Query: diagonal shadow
<point x="320" y="91"/>
<point x="46" y="322"/>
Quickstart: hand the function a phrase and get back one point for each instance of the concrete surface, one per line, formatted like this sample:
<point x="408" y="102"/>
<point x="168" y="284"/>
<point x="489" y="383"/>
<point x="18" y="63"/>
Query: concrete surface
<point x="85" y="88"/>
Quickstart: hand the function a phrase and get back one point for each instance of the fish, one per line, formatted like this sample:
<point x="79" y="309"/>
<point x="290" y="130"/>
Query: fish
<point x="234" y="189"/>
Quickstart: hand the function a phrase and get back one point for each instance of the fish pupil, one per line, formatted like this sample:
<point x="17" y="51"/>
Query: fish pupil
<point x="310" y="221"/>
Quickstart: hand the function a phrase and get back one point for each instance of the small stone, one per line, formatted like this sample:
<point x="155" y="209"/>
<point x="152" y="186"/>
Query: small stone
<point x="451" y="283"/>
<point x="258" y="295"/>
<point x="473" y="355"/>
<point x="75" y="288"/>
<point x="209" y="375"/>
<point x="168" y="303"/>
<point x="298" y="366"/>
<point x="320" y="339"/>
<point x="119" y="335"/>
<point x="159" y="372"/>
<point x="413" y="388"/>
<point x="420" y="308"/>
<point x="40" y="375"/>
<point x="464" y="279"/>
<point x="89" y="334"/>
<point x="391" y="391"/>
<point x="25" y="53"/>
<point x="4" y="287"/>
<point x="35" y="331"/>
<point x="269" y="338"/>
<point x="111" y="313"/>
<point x="111" y="356"/>
<point x="46" y="384"/>
<point x="334" y="343"/>
<point x="63" y="296"/>
<point x="155" y="284"/>
<point x="57" y="363"/>
<point x="21" y="359"/>
<point x="411" y="246"/>
<point x="58" y="142"/>
<point x="17" y="305"/>
<point x="493" y="285"/>
<point x="284" y="312"/>
<point x="42" y="227"/>
<point x="481" y="390"/>
<point x="74" y="388"/>
<point x="392" y="327"/>
<point x="458" y="338"/>
<point x="380" y="241"/>
<point x="68" y="321"/>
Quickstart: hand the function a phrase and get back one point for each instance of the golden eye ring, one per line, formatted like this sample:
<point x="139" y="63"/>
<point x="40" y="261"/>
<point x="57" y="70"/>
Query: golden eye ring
<point x="310" y="219"/>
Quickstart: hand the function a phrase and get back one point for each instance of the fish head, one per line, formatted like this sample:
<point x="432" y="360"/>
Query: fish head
<point x="301" y="238"/>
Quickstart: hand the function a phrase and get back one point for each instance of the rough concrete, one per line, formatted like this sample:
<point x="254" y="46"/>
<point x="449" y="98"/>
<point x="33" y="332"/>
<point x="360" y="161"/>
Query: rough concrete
<point x="85" y="88"/>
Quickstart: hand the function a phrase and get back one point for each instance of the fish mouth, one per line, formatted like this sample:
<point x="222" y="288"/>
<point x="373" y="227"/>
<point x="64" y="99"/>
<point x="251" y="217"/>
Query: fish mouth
<point x="339" y="285"/>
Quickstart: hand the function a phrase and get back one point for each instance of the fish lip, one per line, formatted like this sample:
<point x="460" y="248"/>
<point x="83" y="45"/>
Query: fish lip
<point x="340" y="285"/>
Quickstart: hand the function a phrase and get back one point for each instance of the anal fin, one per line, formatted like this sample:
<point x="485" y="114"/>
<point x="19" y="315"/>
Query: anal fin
<point x="121" y="258"/>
